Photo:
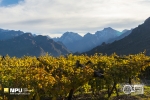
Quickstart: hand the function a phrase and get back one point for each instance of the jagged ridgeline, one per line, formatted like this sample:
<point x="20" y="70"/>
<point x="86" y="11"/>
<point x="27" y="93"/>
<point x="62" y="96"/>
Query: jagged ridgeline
<point x="30" y="45"/>
<point x="137" y="41"/>
<point x="67" y="77"/>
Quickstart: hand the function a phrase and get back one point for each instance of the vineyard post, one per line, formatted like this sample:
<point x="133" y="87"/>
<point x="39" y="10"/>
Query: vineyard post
<point x="70" y="94"/>
<point x="110" y="92"/>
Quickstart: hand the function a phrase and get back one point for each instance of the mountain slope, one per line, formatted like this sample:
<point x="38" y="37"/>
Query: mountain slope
<point x="68" y="37"/>
<point x="137" y="41"/>
<point x="8" y="34"/>
<point x="124" y="34"/>
<point x="27" y="44"/>
<point x="88" y="41"/>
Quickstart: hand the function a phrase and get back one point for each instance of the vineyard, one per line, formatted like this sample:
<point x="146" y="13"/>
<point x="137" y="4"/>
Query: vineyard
<point x="66" y="77"/>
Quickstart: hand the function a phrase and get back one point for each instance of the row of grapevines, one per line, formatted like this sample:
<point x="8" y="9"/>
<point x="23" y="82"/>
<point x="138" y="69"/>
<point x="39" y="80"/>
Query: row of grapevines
<point x="56" y="77"/>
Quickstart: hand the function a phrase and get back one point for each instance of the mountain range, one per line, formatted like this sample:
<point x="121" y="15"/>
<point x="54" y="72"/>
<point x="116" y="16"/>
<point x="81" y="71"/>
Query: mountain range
<point x="27" y="44"/>
<point x="107" y="41"/>
<point x="137" y="41"/>
<point x="76" y="43"/>
<point x="8" y="34"/>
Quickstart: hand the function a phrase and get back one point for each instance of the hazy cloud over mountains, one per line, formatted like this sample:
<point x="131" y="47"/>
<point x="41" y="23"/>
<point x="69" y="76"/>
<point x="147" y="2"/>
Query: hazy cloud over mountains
<point x="54" y="17"/>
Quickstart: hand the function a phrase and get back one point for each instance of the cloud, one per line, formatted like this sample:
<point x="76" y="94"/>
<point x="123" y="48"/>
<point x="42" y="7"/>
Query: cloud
<point x="53" y="17"/>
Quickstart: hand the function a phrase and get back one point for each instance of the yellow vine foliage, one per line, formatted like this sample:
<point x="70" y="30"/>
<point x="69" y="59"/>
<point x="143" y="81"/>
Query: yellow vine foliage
<point x="56" y="76"/>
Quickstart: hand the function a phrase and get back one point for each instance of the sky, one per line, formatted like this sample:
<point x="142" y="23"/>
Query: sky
<point x="55" y="17"/>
